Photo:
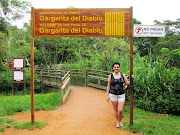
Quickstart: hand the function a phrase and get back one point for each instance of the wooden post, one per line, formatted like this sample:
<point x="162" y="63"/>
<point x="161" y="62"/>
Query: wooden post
<point x="56" y="78"/>
<point x="24" y="87"/>
<point x="86" y="79"/>
<point x="41" y="76"/>
<point x="24" y="76"/>
<point x="12" y="76"/>
<point x="12" y="88"/>
<point x="131" y="66"/>
<point x="61" y="92"/>
<point x="32" y="65"/>
<point x="98" y="81"/>
<point x="48" y="75"/>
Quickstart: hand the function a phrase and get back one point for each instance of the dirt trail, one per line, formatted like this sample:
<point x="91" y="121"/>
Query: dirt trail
<point x="85" y="113"/>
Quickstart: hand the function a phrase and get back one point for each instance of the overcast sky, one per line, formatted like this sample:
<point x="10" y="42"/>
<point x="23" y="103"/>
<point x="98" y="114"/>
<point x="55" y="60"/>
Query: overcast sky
<point x="145" y="11"/>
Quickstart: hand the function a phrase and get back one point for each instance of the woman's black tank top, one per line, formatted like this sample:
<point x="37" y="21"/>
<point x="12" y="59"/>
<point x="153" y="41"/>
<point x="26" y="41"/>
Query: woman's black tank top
<point x="116" y="87"/>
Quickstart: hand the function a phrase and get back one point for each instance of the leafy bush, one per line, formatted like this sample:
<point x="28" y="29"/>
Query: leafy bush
<point x="171" y="58"/>
<point x="156" y="87"/>
<point x="6" y="83"/>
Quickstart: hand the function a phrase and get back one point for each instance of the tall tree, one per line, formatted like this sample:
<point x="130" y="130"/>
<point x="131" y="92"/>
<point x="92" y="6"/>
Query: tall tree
<point x="155" y="44"/>
<point x="11" y="10"/>
<point x="171" y="41"/>
<point x="169" y="47"/>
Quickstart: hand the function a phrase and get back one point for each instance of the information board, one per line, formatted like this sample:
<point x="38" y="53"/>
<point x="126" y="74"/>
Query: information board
<point x="82" y="22"/>
<point x="18" y="63"/>
<point x="18" y="76"/>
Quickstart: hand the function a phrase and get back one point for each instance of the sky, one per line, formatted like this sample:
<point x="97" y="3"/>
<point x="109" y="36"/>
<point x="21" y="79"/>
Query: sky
<point x="145" y="11"/>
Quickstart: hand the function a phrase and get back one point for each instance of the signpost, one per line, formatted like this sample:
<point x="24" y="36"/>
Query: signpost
<point x="104" y="22"/>
<point x="18" y="72"/>
<point x="149" y="30"/>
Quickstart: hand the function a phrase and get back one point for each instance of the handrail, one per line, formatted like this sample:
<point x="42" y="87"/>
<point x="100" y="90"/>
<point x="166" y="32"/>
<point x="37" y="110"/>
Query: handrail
<point x="65" y="87"/>
<point x="65" y="76"/>
<point x="97" y="74"/>
<point x="61" y="78"/>
<point x="100" y="71"/>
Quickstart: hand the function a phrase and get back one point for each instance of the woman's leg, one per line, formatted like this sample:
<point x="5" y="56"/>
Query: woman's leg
<point x="115" y="107"/>
<point x="120" y="111"/>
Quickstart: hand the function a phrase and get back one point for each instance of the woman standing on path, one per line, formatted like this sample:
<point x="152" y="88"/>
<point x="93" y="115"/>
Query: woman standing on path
<point x="116" y="92"/>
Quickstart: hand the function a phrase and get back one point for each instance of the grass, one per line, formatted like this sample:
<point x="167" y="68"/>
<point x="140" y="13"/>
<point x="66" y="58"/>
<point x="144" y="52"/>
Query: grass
<point x="10" y="105"/>
<point x="151" y="126"/>
<point x="5" y="123"/>
<point x="27" y="125"/>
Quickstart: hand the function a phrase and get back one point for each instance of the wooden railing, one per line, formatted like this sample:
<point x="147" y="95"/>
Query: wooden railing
<point x="97" y="78"/>
<point x="61" y="78"/>
<point x="50" y="76"/>
<point x="90" y="77"/>
<point x="65" y="88"/>
<point x="55" y="77"/>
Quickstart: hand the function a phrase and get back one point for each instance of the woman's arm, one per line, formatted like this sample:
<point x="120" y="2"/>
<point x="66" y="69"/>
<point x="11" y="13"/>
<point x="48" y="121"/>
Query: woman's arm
<point x="108" y="87"/>
<point x="126" y="81"/>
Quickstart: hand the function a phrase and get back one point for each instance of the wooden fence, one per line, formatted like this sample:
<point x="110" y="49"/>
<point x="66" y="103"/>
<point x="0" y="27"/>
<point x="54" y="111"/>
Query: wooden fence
<point x="55" y="77"/>
<point x="90" y="77"/>
<point x="61" y="78"/>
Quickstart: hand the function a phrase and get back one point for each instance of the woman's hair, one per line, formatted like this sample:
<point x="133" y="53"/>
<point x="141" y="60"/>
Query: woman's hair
<point x="116" y="63"/>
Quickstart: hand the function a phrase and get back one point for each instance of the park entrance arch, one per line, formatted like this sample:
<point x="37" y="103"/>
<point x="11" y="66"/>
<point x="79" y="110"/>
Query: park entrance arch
<point x="102" y="22"/>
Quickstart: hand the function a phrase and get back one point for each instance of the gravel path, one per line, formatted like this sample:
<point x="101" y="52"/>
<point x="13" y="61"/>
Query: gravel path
<point x="85" y="113"/>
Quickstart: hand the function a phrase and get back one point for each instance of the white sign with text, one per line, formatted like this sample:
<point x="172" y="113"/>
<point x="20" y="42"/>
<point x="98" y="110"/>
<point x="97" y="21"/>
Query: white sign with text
<point x="18" y="75"/>
<point x="148" y="30"/>
<point x="18" y="63"/>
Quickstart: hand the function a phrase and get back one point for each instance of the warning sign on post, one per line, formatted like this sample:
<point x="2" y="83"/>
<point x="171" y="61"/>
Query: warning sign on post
<point x="149" y="30"/>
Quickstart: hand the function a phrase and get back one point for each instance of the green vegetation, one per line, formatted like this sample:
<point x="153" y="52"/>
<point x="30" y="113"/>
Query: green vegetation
<point x="10" y="105"/>
<point x="5" y="123"/>
<point x="156" y="63"/>
<point x="27" y="125"/>
<point x="6" y="83"/>
<point x="151" y="126"/>
<point x="156" y="87"/>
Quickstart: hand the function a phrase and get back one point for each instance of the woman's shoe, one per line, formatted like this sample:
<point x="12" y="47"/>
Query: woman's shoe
<point x="121" y="125"/>
<point x="117" y="126"/>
